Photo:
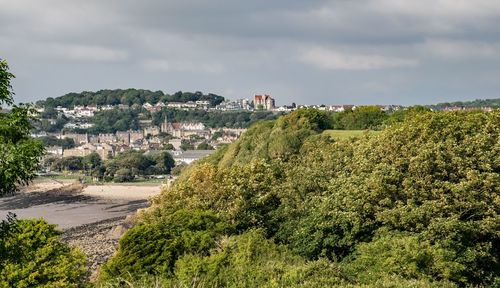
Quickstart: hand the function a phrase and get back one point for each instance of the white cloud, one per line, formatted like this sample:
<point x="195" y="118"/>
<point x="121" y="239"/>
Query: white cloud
<point x="334" y="60"/>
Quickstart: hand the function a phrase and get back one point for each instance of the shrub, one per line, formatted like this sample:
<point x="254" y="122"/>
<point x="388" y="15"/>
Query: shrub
<point x="32" y="256"/>
<point x="123" y="175"/>
<point x="251" y="260"/>
<point x="153" y="248"/>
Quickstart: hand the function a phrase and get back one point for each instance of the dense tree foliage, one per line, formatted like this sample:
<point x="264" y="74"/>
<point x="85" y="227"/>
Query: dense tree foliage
<point x="32" y="256"/>
<point x="65" y="143"/>
<point x="19" y="153"/>
<point x="204" y="146"/>
<point x="127" y="97"/>
<point x="123" y="168"/>
<point x="71" y="163"/>
<point x="414" y="205"/>
<point x="478" y="103"/>
<point x="361" y="118"/>
<point x="126" y="165"/>
<point x="110" y="121"/>
<point x="155" y="247"/>
<point x="213" y="119"/>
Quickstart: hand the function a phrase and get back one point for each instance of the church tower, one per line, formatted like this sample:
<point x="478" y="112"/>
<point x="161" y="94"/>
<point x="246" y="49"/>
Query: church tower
<point x="164" y="125"/>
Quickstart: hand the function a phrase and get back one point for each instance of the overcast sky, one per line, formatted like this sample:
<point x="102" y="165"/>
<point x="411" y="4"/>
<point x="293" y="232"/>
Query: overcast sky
<point x="308" y="52"/>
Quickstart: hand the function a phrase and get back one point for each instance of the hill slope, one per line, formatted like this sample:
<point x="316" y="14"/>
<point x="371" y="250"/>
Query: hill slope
<point x="414" y="205"/>
<point x="127" y="97"/>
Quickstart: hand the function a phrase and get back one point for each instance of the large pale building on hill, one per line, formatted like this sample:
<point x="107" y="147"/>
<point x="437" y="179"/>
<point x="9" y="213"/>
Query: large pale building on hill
<point x="265" y="102"/>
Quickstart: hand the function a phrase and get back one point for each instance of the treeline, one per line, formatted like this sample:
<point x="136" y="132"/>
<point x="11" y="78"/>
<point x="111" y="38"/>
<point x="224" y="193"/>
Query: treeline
<point x="478" y="103"/>
<point x="213" y="119"/>
<point x="65" y="143"/>
<point x="415" y="205"/>
<point x="371" y="117"/>
<point x="122" y="168"/>
<point x="110" y="121"/>
<point x="127" y="97"/>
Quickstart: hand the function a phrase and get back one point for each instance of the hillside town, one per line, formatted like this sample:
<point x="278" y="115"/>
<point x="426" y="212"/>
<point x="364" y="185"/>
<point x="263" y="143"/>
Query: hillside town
<point x="180" y="138"/>
<point x="170" y="136"/>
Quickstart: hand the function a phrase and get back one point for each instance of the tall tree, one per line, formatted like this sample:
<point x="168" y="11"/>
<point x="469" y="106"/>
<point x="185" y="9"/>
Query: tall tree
<point x="19" y="153"/>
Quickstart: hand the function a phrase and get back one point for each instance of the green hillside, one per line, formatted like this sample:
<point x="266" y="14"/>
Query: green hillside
<point x="127" y="97"/>
<point x="415" y="205"/>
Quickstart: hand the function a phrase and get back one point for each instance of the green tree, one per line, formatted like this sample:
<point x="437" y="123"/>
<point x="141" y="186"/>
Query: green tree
<point x="123" y="175"/>
<point x="71" y="163"/>
<point x="154" y="248"/>
<point x="204" y="146"/>
<point x="92" y="161"/>
<point x="65" y="143"/>
<point x="19" y="153"/>
<point x="178" y="169"/>
<point x="164" y="162"/>
<point x="168" y="146"/>
<point x="186" y="145"/>
<point x="33" y="256"/>
<point x="361" y="118"/>
<point x="217" y="135"/>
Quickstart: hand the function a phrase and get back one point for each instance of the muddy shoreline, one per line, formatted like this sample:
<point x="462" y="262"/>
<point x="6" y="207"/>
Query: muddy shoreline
<point x="92" y="218"/>
<point x="98" y="241"/>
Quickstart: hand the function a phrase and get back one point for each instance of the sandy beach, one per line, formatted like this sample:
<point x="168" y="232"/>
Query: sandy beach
<point x="121" y="192"/>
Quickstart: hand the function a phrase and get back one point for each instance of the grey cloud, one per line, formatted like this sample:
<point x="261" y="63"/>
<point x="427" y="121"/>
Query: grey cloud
<point x="339" y="51"/>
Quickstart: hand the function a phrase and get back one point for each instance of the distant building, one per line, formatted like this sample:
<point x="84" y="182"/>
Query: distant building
<point x="54" y="150"/>
<point x="107" y="138"/>
<point x="147" y="106"/>
<point x="123" y="137"/>
<point x="78" y="138"/>
<point x="265" y="102"/>
<point x="103" y="150"/>
<point x="176" y="143"/>
<point x="184" y="106"/>
<point x="185" y="129"/>
<point x="153" y="131"/>
<point x="228" y="105"/>
<point x="190" y="155"/>
<point x="39" y="135"/>
<point x="136" y="136"/>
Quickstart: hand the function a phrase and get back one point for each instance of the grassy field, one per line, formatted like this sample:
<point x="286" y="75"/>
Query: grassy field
<point x="344" y="134"/>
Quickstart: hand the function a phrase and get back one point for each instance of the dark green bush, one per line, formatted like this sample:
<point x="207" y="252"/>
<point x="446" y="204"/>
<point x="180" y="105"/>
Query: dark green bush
<point x="32" y="256"/>
<point x="153" y="248"/>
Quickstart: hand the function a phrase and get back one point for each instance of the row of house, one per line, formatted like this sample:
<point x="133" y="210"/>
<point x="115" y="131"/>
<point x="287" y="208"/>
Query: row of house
<point x="79" y="111"/>
<point x="260" y="102"/>
<point x="108" y="144"/>
<point x="463" y="108"/>
<point x="204" y="105"/>
<point x="230" y="105"/>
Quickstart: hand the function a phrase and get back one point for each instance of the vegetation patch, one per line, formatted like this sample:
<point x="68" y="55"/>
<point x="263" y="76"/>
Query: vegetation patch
<point x="415" y="205"/>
